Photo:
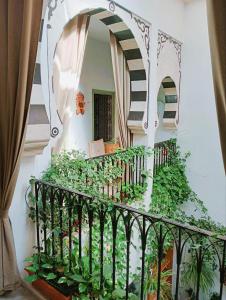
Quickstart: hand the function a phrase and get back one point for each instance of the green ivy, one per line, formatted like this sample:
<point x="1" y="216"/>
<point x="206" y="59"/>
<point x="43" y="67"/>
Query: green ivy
<point x="171" y="190"/>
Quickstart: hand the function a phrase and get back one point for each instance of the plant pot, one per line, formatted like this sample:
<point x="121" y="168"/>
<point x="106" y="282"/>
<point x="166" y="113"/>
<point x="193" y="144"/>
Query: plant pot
<point x="47" y="290"/>
<point x="110" y="148"/>
<point x="168" y="263"/>
<point x="152" y="297"/>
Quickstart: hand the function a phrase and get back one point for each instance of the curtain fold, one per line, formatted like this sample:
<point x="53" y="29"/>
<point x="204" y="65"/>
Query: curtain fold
<point x="122" y="91"/>
<point x="19" y="32"/>
<point x="67" y="70"/>
<point x="216" y="10"/>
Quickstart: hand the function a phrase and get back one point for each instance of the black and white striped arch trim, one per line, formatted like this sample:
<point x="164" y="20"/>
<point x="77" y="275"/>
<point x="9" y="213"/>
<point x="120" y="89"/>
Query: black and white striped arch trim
<point x="138" y="76"/>
<point x="170" y="116"/>
<point x="38" y="127"/>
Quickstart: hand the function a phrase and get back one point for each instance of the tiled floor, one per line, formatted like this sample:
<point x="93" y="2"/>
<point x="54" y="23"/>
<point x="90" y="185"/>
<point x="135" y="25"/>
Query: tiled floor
<point x="19" y="294"/>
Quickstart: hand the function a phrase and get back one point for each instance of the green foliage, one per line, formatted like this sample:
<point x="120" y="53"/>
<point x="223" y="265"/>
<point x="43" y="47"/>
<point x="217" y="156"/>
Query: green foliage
<point x="165" y="285"/>
<point x="190" y="275"/>
<point x="170" y="191"/>
<point x="92" y="176"/>
<point x="73" y="171"/>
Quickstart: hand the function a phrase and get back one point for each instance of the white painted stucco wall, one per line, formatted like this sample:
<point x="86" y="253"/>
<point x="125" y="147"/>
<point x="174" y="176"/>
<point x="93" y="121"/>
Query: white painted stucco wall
<point x="23" y="228"/>
<point x="198" y="128"/>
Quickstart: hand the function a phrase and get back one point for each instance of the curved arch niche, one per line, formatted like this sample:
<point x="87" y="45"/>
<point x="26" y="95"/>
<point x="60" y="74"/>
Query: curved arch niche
<point x="167" y="110"/>
<point x="169" y="77"/>
<point x="131" y="33"/>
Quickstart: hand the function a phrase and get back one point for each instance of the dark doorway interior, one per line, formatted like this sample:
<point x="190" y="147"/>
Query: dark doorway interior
<point x="103" y="117"/>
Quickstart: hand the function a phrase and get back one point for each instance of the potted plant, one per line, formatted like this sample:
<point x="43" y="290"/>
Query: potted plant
<point x="165" y="285"/>
<point x="45" y="280"/>
<point x="111" y="146"/>
<point x="189" y="275"/>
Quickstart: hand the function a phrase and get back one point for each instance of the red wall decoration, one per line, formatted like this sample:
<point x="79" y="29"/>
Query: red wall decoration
<point x="80" y="103"/>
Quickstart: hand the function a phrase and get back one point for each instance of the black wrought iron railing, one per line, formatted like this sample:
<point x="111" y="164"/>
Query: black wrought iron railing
<point x="164" y="153"/>
<point x="130" y="169"/>
<point x="112" y="251"/>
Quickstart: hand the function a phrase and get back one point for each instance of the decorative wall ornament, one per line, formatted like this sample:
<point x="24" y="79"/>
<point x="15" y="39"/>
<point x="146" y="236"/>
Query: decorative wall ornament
<point x="52" y="5"/>
<point x="80" y="103"/>
<point x="144" y="27"/>
<point x="170" y="75"/>
<point x="112" y="6"/>
<point x="54" y="132"/>
<point x="163" y="38"/>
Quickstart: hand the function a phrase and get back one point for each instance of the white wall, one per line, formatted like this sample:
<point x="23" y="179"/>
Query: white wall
<point x="166" y="15"/>
<point x="23" y="229"/>
<point x="96" y="74"/>
<point x="198" y="128"/>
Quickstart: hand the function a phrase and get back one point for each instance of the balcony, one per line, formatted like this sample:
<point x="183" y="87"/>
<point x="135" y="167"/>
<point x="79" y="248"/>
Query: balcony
<point x="94" y="244"/>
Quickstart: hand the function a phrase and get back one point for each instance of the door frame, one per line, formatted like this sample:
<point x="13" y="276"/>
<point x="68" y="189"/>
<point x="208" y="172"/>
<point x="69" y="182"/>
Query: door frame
<point x="108" y="93"/>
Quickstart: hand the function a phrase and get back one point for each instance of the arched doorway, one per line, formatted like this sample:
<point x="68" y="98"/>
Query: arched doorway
<point x="135" y="52"/>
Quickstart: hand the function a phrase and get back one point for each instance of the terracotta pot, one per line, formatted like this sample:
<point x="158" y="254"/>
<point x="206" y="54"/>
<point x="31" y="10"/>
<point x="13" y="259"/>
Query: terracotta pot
<point x="48" y="291"/>
<point x="169" y="258"/>
<point x="152" y="297"/>
<point x="111" y="148"/>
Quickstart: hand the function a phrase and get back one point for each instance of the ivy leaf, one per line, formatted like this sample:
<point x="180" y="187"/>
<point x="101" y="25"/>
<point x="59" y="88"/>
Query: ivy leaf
<point x="31" y="278"/>
<point x="29" y="259"/>
<point x="33" y="268"/>
<point x="62" y="280"/>
<point x="78" y="278"/>
<point x="51" y="276"/>
<point x="118" y="293"/>
<point x="47" y="266"/>
<point x="82" y="287"/>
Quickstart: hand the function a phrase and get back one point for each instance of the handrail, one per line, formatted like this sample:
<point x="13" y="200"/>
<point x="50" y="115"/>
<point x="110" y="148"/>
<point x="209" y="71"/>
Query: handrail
<point x="137" y="211"/>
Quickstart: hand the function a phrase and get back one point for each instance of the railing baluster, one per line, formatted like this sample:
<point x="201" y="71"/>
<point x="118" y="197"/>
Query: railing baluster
<point x="60" y="203"/>
<point x="160" y="254"/>
<point x="199" y="271"/>
<point x="90" y="216"/>
<point x="79" y="207"/>
<point x="70" y="230"/>
<point x="52" y="195"/>
<point x="114" y="234"/>
<point x="143" y="247"/>
<point x="37" y="217"/>
<point x="128" y="240"/>
<point x="125" y="174"/>
<point x="222" y="270"/>
<point x="102" y="219"/>
<point x="179" y="256"/>
<point x="143" y="166"/>
<point x="44" y="218"/>
<point x="137" y="170"/>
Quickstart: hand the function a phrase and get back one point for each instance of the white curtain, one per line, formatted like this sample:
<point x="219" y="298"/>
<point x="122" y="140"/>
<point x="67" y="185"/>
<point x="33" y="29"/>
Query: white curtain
<point x="122" y="91"/>
<point x="67" y="69"/>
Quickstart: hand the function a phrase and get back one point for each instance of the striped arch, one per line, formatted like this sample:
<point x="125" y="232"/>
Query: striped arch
<point x="138" y="78"/>
<point x="170" y="116"/>
<point x="38" y="127"/>
<point x="41" y="126"/>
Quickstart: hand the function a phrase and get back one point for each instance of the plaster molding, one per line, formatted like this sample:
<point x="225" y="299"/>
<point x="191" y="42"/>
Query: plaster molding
<point x="163" y="38"/>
